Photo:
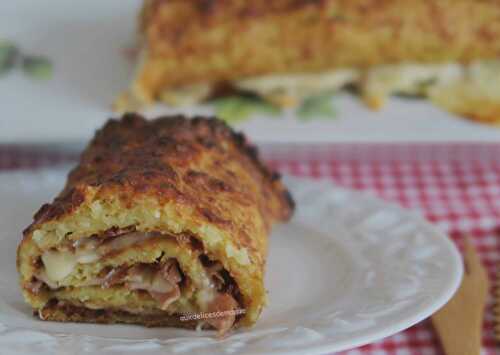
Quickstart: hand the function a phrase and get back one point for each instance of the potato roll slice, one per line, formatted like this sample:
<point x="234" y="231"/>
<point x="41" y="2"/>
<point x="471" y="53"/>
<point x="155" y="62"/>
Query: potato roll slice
<point x="162" y="223"/>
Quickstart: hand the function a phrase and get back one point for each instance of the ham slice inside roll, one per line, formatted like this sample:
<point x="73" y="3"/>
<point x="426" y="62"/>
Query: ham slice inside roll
<point x="162" y="281"/>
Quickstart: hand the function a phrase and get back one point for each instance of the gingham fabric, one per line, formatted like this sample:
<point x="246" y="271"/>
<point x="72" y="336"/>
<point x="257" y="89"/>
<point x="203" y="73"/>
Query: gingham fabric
<point x="457" y="187"/>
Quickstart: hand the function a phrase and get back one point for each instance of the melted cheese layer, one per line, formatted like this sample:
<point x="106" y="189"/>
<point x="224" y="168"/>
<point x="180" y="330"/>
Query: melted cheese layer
<point x="60" y="264"/>
<point x="466" y="89"/>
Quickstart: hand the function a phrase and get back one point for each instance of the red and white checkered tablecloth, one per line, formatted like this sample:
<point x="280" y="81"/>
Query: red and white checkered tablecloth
<point x="457" y="187"/>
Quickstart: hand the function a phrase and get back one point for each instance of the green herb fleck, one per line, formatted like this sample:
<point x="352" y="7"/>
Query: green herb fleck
<point x="234" y="108"/>
<point x="8" y="56"/>
<point x="37" y="67"/>
<point x="320" y="106"/>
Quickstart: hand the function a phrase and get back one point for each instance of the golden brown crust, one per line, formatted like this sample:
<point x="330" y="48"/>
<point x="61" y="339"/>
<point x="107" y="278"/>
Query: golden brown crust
<point x="189" y="160"/>
<point x="227" y="40"/>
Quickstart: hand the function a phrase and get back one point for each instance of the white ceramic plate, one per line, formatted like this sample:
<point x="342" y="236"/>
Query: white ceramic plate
<point x="349" y="269"/>
<point x="86" y="40"/>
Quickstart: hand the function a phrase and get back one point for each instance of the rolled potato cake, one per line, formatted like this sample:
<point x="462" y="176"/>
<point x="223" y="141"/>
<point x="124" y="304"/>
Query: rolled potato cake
<point x="288" y="50"/>
<point x="162" y="223"/>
